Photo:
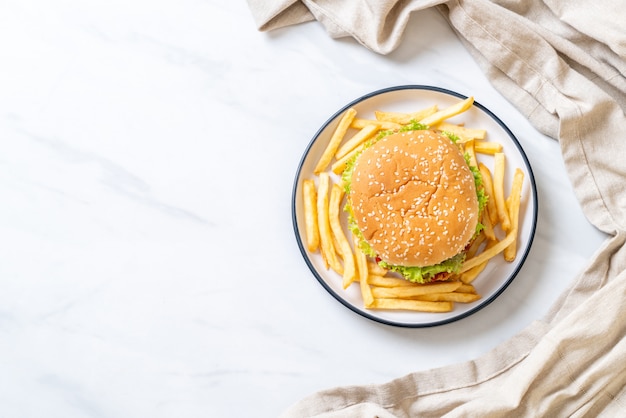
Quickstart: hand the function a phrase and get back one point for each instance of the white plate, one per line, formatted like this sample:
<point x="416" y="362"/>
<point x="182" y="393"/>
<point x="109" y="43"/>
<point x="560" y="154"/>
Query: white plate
<point x="498" y="274"/>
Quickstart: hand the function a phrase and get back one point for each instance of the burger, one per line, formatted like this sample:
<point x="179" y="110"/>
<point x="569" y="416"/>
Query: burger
<point x="415" y="203"/>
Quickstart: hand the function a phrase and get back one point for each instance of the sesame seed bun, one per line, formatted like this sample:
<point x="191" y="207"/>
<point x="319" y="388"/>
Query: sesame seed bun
<point x="414" y="198"/>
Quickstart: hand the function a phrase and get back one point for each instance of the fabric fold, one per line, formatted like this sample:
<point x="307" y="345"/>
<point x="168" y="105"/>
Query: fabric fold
<point x="562" y="65"/>
<point x="275" y="15"/>
<point x="561" y="368"/>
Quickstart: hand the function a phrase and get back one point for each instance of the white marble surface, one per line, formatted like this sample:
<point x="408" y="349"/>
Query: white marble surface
<point x="148" y="265"/>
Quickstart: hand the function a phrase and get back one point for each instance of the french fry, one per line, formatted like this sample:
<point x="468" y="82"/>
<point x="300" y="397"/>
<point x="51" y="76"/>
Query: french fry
<point x="498" y="191"/>
<point x="407" y="292"/>
<point x="375" y="268"/>
<point x="487" y="147"/>
<point x="404" y="118"/>
<point x="466" y="288"/>
<point x="475" y="245"/>
<point x="360" y="123"/>
<point x="367" y="132"/>
<point x="448" y="112"/>
<point x="411" y="305"/>
<point x="468" y="147"/>
<point x="450" y="297"/>
<point x="488" y="187"/>
<point x="488" y="231"/>
<point x="343" y="245"/>
<point x="488" y="253"/>
<point x="340" y="165"/>
<point x="468" y="276"/>
<point x="361" y="262"/>
<point x="310" y="215"/>
<point x="335" y="242"/>
<point x="327" y="248"/>
<point x="382" y="281"/>
<point x="513" y="205"/>
<point x="335" y="140"/>
<point x="465" y="134"/>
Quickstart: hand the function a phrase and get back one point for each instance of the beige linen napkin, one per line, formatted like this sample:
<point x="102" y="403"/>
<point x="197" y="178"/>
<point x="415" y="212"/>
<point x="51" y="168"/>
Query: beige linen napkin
<point x="563" y="64"/>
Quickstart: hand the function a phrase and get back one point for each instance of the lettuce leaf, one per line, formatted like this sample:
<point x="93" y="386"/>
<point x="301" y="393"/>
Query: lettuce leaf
<point x="480" y="193"/>
<point x="425" y="274"/>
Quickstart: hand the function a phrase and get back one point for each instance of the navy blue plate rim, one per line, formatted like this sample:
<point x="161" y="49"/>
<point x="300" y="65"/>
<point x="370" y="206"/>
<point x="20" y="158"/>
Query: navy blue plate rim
<point x="483" y="302"/>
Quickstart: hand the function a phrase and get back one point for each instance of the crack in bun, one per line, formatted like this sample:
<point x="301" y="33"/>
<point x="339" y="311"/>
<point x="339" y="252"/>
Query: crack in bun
<point x="414" y="199"/>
